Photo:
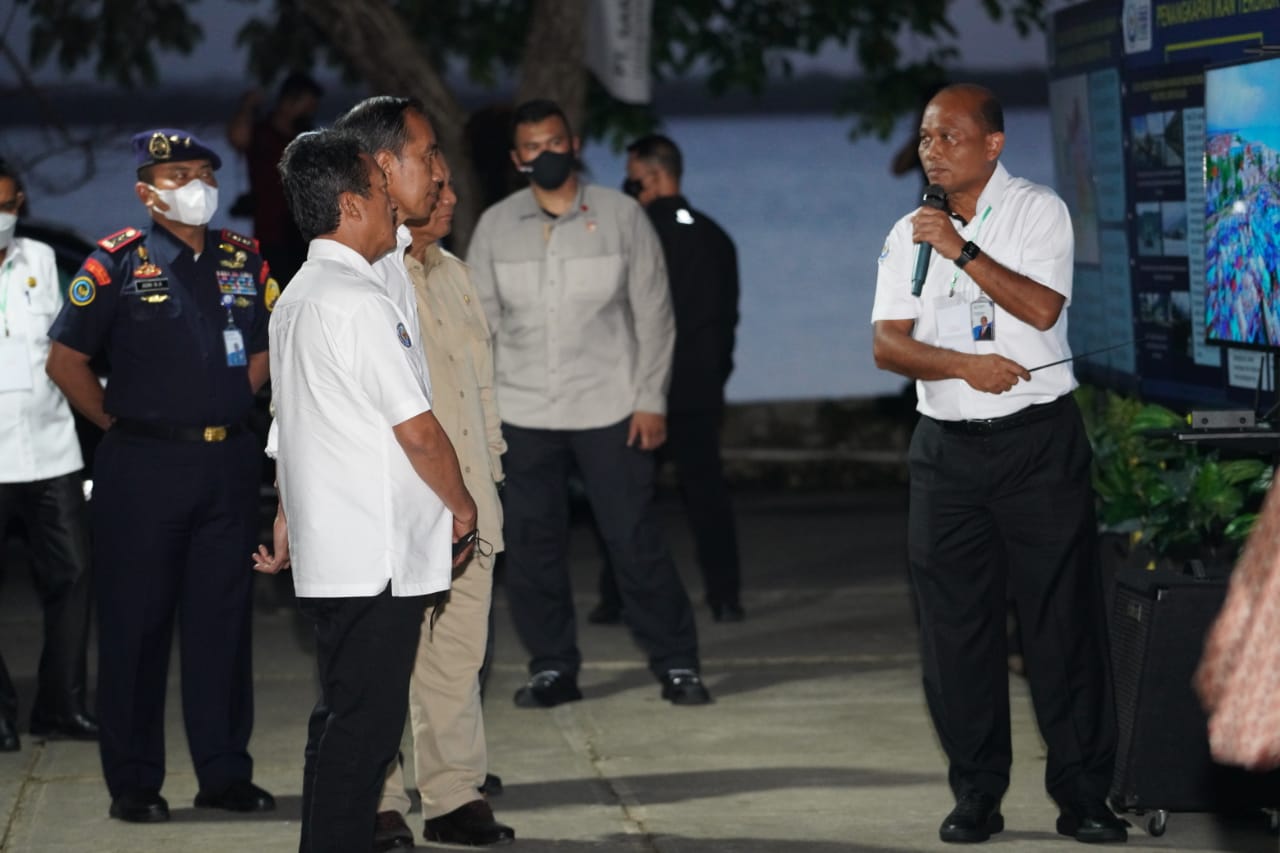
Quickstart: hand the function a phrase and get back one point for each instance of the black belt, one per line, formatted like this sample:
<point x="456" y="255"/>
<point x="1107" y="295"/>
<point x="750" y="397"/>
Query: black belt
<point x="170" y="432"/>
<point x="986" y="426"/>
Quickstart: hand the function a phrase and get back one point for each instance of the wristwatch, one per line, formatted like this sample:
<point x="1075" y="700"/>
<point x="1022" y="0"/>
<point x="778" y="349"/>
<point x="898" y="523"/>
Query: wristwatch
<point x="968" y="252"/>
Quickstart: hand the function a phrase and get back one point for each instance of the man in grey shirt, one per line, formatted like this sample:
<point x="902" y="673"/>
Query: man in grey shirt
<point x="575" y="290"/>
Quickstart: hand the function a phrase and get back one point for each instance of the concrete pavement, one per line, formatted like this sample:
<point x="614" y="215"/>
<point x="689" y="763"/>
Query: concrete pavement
<point x="818" y="740"/>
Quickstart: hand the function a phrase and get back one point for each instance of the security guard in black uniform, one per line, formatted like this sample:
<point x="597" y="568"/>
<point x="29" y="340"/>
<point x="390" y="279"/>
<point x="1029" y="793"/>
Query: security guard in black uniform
<point x="180" y="312"/>
<point x="702" y="265"/>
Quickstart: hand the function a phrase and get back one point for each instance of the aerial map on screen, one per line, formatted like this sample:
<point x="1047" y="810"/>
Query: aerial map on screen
<point x="1242" y="203"/>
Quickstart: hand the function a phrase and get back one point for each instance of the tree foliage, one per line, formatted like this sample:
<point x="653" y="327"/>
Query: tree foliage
<point x="531" y="46"/>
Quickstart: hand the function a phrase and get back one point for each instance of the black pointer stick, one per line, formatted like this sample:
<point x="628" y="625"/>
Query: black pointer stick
<point x="1084" y="355"/>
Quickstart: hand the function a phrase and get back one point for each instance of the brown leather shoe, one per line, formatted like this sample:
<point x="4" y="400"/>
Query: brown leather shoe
<point x="390" y="832"/>
<point x="471" y="824"/>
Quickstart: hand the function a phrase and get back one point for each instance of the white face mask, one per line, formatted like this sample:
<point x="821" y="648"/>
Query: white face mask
<point x="8" y="223"/>
<point x="193" y="203"/>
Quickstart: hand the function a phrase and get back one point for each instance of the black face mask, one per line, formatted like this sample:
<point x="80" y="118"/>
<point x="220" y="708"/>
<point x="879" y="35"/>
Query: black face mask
<point x="550" y="169"/>
<point x="632" y="187"/>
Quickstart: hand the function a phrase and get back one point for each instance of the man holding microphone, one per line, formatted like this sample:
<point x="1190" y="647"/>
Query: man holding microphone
<point x="1000" y="474"/>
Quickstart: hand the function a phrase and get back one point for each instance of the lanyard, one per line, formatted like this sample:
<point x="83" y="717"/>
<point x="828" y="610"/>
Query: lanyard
<point x="5" y="278"/>
<point x="976" y="234"/>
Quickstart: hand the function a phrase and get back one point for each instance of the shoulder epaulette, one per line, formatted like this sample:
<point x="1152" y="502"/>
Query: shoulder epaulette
<point x="240" y="240"/>
<point x="120" y="239"/>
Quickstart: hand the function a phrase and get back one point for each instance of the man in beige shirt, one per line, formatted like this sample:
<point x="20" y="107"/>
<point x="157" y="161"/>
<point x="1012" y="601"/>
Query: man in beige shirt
<point x="449" y="755"/>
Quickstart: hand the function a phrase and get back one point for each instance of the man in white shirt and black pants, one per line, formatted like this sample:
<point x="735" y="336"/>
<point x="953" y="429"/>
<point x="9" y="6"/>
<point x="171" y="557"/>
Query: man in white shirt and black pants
<point x="41" y="481"/>
<point x="1001" y="495"/>
<point x="369" y="482"/>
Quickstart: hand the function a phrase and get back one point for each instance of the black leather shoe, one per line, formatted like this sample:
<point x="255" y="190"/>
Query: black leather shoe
<point x="605" y="614"/>
<point x="472" y="824"/>
<point x="390" y="832"/>
<point x="140" y="807"/>
<point x="684" y="687"/>
<point x="74" y="726"/>
<point x="492" y="786"/>
<point x="9" y="736"/>
<point x="1091" y="822"/>
<point x="975" y="818"/>
<point x="728" y="612"/>
<point x="548" y="689"/>
<point x="241" y="796"/>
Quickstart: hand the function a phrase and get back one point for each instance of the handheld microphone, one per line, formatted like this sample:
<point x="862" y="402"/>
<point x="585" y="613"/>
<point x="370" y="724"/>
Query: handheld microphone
<point x="935" y="197"/>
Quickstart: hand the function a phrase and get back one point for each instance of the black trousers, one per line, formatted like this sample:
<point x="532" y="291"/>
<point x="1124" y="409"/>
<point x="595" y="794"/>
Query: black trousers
<point x="365" y="648"/>
<point x="1012" y="509"/>
<point x="619" y="485"/>
<point x="174" y="524"/>
<point x="54" y="514"/>
<point x="693" y="447"/>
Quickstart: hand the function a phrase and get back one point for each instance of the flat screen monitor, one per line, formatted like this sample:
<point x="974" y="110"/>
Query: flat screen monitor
<point x="1242" y="203"/>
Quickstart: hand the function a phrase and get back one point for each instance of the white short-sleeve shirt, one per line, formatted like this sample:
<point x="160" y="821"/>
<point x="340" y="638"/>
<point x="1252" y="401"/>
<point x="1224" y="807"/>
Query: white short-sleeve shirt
<point x="37" y="433"/>
<point x="346" y="366"/>
<point x="1022" y="226"/>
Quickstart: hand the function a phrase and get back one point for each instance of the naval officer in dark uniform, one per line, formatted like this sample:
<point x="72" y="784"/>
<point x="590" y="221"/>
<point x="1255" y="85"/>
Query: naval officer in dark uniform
<point x="180" y="312"/>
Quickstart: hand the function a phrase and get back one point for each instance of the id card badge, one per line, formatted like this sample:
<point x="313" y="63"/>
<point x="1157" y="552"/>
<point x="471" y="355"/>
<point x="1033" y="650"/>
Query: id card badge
<point x="953" y="325"/>
<point x="982" y="317"/>
<point x="233" y="342"/>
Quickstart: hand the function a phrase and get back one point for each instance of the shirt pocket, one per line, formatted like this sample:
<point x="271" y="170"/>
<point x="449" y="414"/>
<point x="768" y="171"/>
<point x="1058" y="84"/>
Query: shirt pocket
<point x="40" y="317"/>
<point x="594" y="282"/>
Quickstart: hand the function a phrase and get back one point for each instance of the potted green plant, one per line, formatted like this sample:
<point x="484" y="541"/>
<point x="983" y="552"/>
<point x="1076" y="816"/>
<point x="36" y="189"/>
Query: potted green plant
<point x="1168" y="501"/>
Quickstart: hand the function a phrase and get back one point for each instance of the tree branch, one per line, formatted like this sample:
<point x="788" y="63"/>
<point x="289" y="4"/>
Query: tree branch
<point x="375" y="40"/>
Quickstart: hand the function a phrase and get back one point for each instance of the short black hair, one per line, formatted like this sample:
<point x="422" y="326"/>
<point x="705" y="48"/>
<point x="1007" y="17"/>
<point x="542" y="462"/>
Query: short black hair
<point x="317" y="168"/>
<point x="532" y="112"/>
<point x="8" y="171"/>
<point x="989" y="115"/>
<point x="661" y="151"/>
<point x="379" y="122"/>
<point x="299" y="83"/>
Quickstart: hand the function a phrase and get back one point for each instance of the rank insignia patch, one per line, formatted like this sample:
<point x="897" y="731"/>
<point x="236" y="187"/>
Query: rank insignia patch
<point x="120" y="239"/>
<point x="240" y="240"/>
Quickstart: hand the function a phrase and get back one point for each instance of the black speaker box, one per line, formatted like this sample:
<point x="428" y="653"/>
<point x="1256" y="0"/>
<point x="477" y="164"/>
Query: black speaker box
<point x="1160" y="619"/>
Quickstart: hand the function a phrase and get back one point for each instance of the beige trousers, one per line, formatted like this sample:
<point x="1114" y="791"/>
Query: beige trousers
<point x="449" y="758"/>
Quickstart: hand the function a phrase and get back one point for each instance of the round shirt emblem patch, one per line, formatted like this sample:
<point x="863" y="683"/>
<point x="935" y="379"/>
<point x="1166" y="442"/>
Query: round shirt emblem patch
<point x="403" y="334"/>
<point x="82" y="291"/>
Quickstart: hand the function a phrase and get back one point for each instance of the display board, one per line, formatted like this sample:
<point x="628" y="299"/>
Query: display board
<point x="1127" y="97"/>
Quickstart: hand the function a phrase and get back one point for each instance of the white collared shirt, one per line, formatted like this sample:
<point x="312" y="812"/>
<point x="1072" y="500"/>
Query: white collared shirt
<point x="399" y="287"/>
<point x="347" y="366"/>
<point x="37" y="431"/>
<point x="1028" y="230"/>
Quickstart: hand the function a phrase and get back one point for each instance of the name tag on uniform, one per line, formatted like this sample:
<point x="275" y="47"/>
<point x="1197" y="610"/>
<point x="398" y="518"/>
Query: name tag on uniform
<point x="236" y="283"/>
<point x="147" y="286"/>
